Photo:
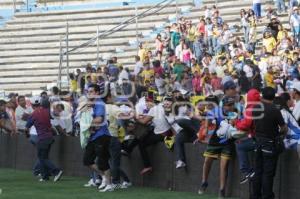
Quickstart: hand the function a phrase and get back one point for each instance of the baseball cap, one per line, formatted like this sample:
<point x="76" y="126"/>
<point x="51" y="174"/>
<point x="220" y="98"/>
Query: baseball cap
<point x="229" y="85"/>
<point x="35" y="100"/>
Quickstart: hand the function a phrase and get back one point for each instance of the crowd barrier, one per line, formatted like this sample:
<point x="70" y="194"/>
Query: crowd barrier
<point x="17" y="153"/>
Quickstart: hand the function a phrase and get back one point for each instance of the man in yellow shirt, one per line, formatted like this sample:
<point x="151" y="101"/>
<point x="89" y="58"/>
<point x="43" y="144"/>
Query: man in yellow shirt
<point x="195" y="66"/>
<point x="269" y="78"/>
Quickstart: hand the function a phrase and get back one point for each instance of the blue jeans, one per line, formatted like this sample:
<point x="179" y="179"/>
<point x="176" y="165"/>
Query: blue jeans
<point x="37" y="167"/>
<point x="115" y="161"/>
<point x="243" y="148"/>
<point x="257" y="9"/>
<point x="280" y="6"/>
<point x="246" y="33"/>
<point x="215" y="45"/>
<point x="210" y="45"/>
<point x="47" y="167"/>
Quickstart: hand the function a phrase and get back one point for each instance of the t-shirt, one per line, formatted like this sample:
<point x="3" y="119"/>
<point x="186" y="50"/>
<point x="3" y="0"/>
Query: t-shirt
<point x="269" y="80"/>
<point x="142" y="54"/>
<point x="112" y="113"/>
<point x="20" y="123"/>
<point x="99" y="111"/>
<point x="178" y="70"/>
<point x="160" y="122"/>
<point x="147" y="74"/>
<point x="269" y="43"/>
<point x="40" y="119"/>
<point x="137" y="68"/>
<point x="267" y="119"/>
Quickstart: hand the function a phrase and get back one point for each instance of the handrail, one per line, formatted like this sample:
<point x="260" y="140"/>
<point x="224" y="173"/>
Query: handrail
<point x="120" y="26"/>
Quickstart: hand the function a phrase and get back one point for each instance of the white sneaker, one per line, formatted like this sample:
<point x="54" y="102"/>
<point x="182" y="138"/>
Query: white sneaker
<point x="108" y="188"/>
<point x="103" y="185"/>
<point x="180" y="164"/>
<point x="97" y="182"/>
<point x="126" y="185"/>
<point x="90" y="183"/>
<point x="58" y="176"/>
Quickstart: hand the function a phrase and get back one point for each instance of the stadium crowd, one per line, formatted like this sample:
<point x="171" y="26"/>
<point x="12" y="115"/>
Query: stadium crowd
<point x="202" y="85"/>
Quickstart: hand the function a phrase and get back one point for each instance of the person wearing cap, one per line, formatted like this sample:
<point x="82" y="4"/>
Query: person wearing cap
<point x="269" y="127"/>
<point x="5" y="121"/>
<point x="218" y="148"/>
<point x="295" y="24"/>
<point x="40" y="119"/>
<point x="22" y="114"/>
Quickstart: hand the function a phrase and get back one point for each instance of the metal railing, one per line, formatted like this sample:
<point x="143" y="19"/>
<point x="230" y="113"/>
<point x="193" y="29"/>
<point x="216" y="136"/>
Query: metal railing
<point x="65" y="51"/>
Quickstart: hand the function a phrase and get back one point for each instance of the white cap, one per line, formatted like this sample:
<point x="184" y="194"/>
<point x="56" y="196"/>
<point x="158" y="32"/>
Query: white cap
<point x="35" y="100"/>
<point x="296" y="86"/>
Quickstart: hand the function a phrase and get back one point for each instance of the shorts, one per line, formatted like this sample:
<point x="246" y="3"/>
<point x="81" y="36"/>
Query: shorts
<point x="99" y="149"/>
<point x="217" y="152"/>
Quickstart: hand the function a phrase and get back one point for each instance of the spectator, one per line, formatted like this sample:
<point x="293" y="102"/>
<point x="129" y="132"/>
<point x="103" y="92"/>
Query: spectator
<point x="23" y="113"/>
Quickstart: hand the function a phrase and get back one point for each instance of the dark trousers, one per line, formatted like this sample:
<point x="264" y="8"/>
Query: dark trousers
<point x="115" y="161"/>
<point x="181" y="138"/>
<point x="265" y="169"/>
<point x="46" y="166"/>
<point x="243" y="148"/>
<point x="148" y="140"/>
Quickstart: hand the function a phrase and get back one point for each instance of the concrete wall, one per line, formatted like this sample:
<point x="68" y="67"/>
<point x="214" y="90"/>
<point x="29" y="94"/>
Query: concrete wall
<point x="18" y="153"/>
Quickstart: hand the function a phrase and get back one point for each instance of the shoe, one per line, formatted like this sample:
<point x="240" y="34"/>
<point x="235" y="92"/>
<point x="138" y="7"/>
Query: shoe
<point x="251" y="174"/>
<point x="43" y="180"/>
<point x="180" y="164"/>
<point x="97" y="182"/>
<point x="126" y="185"/>
<point x="146" y="170"/>
<point x="222" y="194"/>
<point x="103" y="185"/>
<point x="58" y="176"/>
<point x="244" y="179"/>
<point x="203" y="188"/>
<point x="90" y="183"/>
<point x="108" y="188"/>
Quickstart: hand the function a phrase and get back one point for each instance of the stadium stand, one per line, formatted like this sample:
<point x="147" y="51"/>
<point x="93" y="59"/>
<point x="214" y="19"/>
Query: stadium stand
<point x="29" y="43"/>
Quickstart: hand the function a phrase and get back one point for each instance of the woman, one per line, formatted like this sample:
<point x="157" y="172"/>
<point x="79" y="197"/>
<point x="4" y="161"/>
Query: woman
<point x="292" y="140"/>
<point x="186" y="55"/>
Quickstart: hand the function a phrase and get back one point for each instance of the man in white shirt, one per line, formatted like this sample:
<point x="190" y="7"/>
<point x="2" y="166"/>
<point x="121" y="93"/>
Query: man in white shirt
<point x="157" y="116"/>
<point x="22" y="114"/>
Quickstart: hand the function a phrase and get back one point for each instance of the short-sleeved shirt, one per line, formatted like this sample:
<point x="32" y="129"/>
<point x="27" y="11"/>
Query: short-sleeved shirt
<point x="99" y="110"/>
<point x="160" y="122"/>
<point x="267" y="119"/>
<point x="112" y="112"/>
<point x="21" y="124"/>
<point x="40" y="119"/>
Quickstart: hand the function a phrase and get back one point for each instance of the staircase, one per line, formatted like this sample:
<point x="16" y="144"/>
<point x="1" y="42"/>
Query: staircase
<point x="29" y="43"/>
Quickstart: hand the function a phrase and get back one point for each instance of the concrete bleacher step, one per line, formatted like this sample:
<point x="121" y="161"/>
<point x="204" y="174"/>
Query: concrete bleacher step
<point x="29" y="44"/>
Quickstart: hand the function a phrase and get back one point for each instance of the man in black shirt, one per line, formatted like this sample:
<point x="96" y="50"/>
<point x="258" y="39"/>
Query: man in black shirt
<point x="269" y="125"/>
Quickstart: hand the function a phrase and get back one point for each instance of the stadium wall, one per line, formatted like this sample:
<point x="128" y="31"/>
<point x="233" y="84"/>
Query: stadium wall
<point x="18" y="153"/>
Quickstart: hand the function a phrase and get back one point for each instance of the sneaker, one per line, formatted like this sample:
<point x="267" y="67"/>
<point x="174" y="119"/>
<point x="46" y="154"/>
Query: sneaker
<point x="126" y="185"/>
<point x="125" y="153"/>
<point x="251" y="174"/>
<point x="203" y="188"/>
<point x="222" y="194"/>
<point x="103" y="185"/>
<point x="108" y="188"/>
<point x="244" y="179"/>
<point x="43" y="180"/>
<point x="146" y="170"/>
<point x="90" y="183"/>
<point x="58" y="176"/>
<point x="97" y="182"/>
<point x="180" y="164"/>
